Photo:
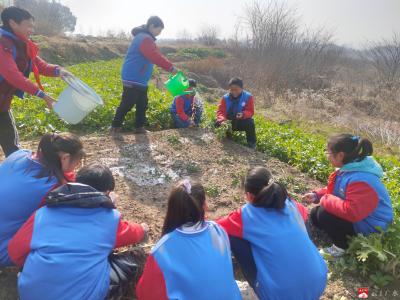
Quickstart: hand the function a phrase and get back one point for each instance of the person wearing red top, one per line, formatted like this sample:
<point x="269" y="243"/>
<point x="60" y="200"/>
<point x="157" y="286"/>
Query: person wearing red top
<point x="65" y="246"/>
<point x="237" y="106"/>
<point x="19" y="57"/>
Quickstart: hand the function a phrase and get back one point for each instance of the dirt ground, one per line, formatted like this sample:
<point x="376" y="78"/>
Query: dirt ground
<point x="145" y="166"/>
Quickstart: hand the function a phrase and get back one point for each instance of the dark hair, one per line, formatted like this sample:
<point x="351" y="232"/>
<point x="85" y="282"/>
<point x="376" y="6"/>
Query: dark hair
<point x="48" y="152"/>
<point x="97" y="176"/>
<point x="16" y="14"/>
<point x="155" y="21"/>
<point x="236" y="81"/>
<point x="184" y="207"/>
<point x="192" y="82"/>
<point x="354" y="147"/>
<point x="268" y="195"/>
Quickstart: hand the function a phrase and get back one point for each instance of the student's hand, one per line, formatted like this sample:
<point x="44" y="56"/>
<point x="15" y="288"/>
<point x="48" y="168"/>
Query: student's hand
<point x="145" y="228"/>
<point x="309" y="198"/>
<point x="174" y="70"/>
<point x="49" y="101"/>
<point x="64" y="73"/>
<point x="239" y="115"/>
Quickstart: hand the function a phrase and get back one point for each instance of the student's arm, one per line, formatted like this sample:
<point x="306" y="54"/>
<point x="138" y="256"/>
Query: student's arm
<point x="46" y="69"/>
<point x="221" y="112"/>
<point x="11" y="73"/>
<point x="233" y="223"/>
<point x="302" y="210"/>
<point x="248" y="111"/>
<point x="151" y="285"/>
<point x="20" y="245"/>
<point x="128" y="234"/>
<point x="180" y="109"/>
<point x="361" y="200"/>
<point x="150" y="50"/>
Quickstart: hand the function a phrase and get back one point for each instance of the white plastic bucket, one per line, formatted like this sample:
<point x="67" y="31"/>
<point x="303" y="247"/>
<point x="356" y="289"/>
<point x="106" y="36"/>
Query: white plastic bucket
<point x="76" y="101"/>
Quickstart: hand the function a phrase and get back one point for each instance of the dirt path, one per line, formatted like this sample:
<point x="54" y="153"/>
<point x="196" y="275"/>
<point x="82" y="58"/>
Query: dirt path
<point x="146" y="165"/>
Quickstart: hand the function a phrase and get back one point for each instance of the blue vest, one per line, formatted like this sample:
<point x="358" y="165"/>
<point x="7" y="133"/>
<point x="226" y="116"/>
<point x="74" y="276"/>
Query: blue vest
<point x="197" y="265"/>
<point x="6" y="33"/>
<point x="238" y="106"/>
<point x="188" y="105"/>
<point x="137" y="69"/>
<point x="289" y="266"/>
<point x="20" y="195"/>
<point x="382" y="216"/>
<point x="69" y="254"/>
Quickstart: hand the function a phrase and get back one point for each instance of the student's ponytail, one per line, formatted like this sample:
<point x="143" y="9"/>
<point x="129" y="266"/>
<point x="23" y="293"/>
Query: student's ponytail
<point x="50" y="146"/>
<point x="273" y="195"/>
<point x="354" y="147"/>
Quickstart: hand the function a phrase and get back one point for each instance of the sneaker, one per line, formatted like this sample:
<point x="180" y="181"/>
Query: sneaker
<point x="332" y="252"/>
<point x="140" y="130"/>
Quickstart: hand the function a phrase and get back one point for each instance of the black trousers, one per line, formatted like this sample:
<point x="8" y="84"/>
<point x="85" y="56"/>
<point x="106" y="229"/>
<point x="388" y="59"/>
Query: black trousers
<point x="132" y="96"/>
<point x="9" y="139"/>
<point x="337" y="229"/>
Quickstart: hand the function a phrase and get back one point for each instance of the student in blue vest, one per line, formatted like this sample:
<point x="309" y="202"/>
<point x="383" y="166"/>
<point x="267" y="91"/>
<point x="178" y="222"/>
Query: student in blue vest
<point x="186" y="110"/>
<point x="355" y="200"/>
<point x="19" y="57"/>
<point x="192" y="260"/>
<point x="65" y="246"/>
<point x="26" y="178"/>
<point x="237" y="106"/>
<point x="137" y="69"/>
<point x="269" y="240"/>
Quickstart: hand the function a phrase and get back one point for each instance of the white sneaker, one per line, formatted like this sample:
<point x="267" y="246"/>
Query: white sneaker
<point x="332" y="252"/>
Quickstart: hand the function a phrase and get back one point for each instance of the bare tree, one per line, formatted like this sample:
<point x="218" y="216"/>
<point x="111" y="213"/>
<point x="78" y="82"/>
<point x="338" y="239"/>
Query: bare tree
<point x="384" y="56"/>
<point x="209" y="35"/>
<point x="184" y="36"/>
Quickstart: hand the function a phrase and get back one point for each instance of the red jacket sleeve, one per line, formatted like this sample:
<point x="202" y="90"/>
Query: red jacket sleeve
<point x="10" y="72"/>
<point x="128" y="234"/>
<point x="150" y="50"/>
<point x="151" y="285"/>
<point x="248" y="111"/>
<point x="302" y="210"/>
<point x="221" y="112"/>
<point x="46" y="69"/>
<point x="321" y="192"/>
<point x="20" y="245"/>
<point x="361" y="199"/>
<point x="180" y="109"/>
<point x="233" y="223"/>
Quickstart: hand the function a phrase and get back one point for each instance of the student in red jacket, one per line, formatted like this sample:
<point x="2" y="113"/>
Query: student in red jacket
<point x="192" y="260"/>
<point x="26" y="178"/>
<point x="355" y="200"/>
<point x="19" y="57"/>
<point x="65" y="246"/>
<point x="186" y="110"/>
<point x="237" y="106"/>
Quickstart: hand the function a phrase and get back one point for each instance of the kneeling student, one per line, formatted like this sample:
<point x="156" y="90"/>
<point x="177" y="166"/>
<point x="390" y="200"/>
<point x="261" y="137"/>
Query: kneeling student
<point x="64" y="247"/>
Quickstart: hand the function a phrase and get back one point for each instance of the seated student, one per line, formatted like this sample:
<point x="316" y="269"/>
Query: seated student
<point x="270" y="242"/>
<point x="355" y="200"/>
<point x="26" y="178"/>
<point x="185" y="110"/>
<point x="64" y="247"/>
<point x="192" y="260"/>
<point x="238" y="107"/>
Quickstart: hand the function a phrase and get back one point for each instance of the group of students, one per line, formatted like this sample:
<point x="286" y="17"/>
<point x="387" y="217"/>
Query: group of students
<point x="60" y="228"/>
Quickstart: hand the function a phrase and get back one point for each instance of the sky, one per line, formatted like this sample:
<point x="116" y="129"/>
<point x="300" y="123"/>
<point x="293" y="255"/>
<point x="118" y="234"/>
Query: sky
<point x="353" y="22"/>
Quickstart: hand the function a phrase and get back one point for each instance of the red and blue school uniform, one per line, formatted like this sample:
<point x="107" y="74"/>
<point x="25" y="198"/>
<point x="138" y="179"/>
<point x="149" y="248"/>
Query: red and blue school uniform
<point x="183" y="109"/>
<point x="64" y="246"/>
<point x="193" y="263"/>
<point x="355" y="193"/>
<point x="229" y="107"/>
<point x="288" y="265"/>
<point x="21" y="193"/>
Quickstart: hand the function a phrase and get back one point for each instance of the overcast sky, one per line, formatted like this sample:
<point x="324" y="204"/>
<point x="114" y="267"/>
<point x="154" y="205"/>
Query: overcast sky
<point x="352" y="21"/>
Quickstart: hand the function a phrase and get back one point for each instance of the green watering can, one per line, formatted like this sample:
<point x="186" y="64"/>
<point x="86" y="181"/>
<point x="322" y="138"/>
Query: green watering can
<point x="177" y="84"/>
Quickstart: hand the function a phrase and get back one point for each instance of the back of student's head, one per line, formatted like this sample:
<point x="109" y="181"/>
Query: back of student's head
<point x="185" y="205"/>
<point x="97" y="176"/>
<point x="266" y="193"/>
<point x="50" y="149"/>
<point x="16" y="14"/>
<point x="353" y="147"/>
<point x="155" y="21"/>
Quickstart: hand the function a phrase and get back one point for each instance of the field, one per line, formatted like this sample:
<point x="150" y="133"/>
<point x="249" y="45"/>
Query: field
<point x="145" y="167"/>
